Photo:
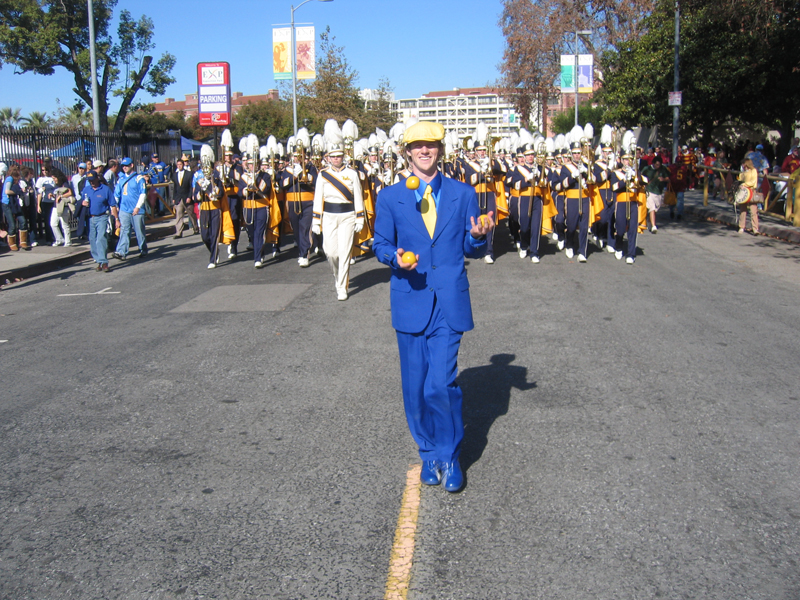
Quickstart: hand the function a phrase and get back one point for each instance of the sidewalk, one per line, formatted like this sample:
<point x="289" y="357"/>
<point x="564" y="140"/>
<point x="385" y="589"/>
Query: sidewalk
<point x="720" y="211"/>
<point x="25" y="264"/>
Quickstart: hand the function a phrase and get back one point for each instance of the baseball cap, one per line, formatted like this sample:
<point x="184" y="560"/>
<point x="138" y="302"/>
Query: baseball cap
<point x="126" y="161"/>
<point x="82" y="165"/>
<point x="93" y="177"/>
<point x="97" y="163"/>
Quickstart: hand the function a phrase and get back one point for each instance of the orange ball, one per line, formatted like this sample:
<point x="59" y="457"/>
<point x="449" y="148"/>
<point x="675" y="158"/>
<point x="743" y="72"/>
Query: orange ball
<point x="412" y="182"/>
<point x="409" y="258"/>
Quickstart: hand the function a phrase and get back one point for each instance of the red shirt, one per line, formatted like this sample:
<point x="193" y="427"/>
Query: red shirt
<point x="790" y="164"/>
<point x="678" y="178"/>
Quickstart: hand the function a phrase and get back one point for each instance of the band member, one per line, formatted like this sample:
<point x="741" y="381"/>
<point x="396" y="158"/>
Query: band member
<point x="520" y="182"/>
<point x="575" y="182"/>
<point x="560" y="197"/>
<point x="630" y="214"/>
<point x="231" y="176"/>
<point x="338" y="214"/>
<point x="604" y="227"/>
<point x="209" y="193"/>
<point x="298" y="180"/>
<point x="481" y="174"/>
<point x="257" y="194"/>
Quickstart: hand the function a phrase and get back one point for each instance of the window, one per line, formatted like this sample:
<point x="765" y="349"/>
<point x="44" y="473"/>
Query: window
<point x="554" y="100"/>
<point x="427" y="103"/>
<point x="442" y="102"/>
<point x="487" y="100"/>
<point x="427" y="113"/>
<point x="470" y="111"/>
<point x="487" y="111"/>
<point x="408" y="104"/>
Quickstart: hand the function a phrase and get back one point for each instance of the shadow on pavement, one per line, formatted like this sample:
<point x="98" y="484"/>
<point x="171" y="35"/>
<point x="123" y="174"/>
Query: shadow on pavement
<point x="487" y="391"/>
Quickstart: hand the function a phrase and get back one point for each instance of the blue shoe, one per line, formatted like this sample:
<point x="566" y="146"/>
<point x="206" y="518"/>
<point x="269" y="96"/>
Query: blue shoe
<point x="430" y="474"/>
<point x="453" y="477"/>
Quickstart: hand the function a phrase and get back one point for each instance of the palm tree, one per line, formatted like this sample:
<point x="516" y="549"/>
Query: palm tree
<point x="74" y="117"/>
<point x="10" y="117"/>
<point x="37" y="120"/>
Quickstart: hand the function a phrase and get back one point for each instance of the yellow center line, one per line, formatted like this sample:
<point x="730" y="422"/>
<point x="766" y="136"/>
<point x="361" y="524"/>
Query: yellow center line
<point x="403" y="548"/>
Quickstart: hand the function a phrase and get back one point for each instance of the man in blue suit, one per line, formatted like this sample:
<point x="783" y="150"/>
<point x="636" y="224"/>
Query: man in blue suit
<point x="435" y="221"/>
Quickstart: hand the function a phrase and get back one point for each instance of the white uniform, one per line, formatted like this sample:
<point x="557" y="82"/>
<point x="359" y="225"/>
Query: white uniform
<point x="338" y="215"/>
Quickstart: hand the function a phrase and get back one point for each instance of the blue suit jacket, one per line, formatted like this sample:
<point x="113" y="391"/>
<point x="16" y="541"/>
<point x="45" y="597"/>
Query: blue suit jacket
<point x="440" y="273"/>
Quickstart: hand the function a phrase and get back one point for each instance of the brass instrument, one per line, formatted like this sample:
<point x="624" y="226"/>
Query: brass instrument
<point x="541" y="157"/>
<point x="276" y="184"/>
<point x="587" y="155"/>
<point x="303" y="160"/>
<point x="207" y="166"/>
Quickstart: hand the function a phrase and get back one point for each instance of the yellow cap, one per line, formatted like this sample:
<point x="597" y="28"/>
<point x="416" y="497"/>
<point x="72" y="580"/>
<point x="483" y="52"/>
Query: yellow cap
<point x="423" y="131"/>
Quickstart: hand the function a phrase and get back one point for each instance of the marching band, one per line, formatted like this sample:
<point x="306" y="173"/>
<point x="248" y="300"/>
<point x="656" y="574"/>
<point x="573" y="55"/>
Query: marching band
<point x="324" y="189"/>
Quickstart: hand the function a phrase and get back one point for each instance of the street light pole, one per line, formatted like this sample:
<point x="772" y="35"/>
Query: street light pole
<point x="576" y="79"/>
<point x="93" y="63"/>
<point x="294" y="64"/>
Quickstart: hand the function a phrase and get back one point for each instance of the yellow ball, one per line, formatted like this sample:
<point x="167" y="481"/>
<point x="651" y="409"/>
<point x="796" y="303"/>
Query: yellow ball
<point x="409" y="258"/>
<point x="412" y="182"/>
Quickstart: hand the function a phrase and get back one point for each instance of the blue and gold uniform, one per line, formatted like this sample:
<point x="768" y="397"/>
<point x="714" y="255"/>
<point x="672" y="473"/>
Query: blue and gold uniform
<point x="298" y="183"/>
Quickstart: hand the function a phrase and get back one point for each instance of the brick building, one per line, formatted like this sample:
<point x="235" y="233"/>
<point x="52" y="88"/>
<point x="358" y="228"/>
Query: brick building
<point x="189" y="106"/>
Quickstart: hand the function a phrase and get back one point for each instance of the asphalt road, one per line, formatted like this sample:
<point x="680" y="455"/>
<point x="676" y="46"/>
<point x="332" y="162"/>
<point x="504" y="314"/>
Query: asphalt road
<point x="632" y="431"/>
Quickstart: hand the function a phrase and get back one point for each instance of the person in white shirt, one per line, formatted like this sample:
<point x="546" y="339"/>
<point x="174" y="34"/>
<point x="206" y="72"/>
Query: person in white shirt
<point x="338" y="214"/>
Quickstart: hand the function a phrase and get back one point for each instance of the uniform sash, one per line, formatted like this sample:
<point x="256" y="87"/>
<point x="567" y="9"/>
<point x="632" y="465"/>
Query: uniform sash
<point x="339" y="185"/>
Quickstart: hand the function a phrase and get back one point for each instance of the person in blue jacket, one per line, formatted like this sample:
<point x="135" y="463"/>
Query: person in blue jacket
<point x="435" y="222"/>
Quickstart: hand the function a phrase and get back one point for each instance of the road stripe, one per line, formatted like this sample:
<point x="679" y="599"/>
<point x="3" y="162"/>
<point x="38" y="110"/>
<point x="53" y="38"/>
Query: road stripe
<point x="403" y="548"/>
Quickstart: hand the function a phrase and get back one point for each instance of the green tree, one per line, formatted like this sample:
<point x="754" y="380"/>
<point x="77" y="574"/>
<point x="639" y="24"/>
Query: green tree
<point x="735" y="65"/>
<point x="587" y="113"/>
<point x="10" y="117"/>
<point x="143" y="118"/>
<point x="271" y="117"/>
<point x="36" y="119"/>
<point x="73" y="117"/>
<point x="39" y="36"/>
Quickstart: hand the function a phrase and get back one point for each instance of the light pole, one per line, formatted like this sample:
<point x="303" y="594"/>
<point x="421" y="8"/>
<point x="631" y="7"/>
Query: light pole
<point x="93" y="63"/>
<point x="576" y="82"/>
<point x="294" y="65"/>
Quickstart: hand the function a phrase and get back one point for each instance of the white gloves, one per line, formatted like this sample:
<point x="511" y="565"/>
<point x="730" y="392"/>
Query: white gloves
<point x="387" y="178"/>
<point x="359" y="224"/>
<point x="315" y="229"/>
<point x="584" y="169"/>
<point x="297" y="169"/>
<point x="530" y="176"/>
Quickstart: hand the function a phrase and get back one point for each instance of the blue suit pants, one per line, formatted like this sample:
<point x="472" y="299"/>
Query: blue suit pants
<point x="432" y="399"/>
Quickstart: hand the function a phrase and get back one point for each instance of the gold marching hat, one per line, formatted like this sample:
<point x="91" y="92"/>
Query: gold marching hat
<point x="423" y="131"/>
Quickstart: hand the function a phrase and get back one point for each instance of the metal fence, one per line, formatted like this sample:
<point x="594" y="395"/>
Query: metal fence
<point x="30" y="147"/>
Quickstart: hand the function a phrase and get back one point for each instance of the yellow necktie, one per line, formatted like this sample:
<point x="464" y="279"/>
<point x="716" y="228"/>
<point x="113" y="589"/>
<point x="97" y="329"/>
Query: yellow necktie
<point x="428" y="210"/>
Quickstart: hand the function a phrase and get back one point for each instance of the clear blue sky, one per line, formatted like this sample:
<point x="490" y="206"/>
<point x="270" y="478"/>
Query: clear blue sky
<point x="419" y="45"/>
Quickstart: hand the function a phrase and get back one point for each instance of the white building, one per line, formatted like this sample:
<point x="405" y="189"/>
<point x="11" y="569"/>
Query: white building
<point x="461" y="110"/>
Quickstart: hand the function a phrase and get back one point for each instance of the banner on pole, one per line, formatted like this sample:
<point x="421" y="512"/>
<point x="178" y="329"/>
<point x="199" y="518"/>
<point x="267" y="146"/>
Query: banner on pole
<point x="585" y="73"/>
<point x="214" y="94"/>
<point x="282" y="54"/>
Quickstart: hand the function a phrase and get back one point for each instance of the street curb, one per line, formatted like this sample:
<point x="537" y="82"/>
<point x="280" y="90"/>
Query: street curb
<point x="726" y="217"/>
<point x="156" y="231"/>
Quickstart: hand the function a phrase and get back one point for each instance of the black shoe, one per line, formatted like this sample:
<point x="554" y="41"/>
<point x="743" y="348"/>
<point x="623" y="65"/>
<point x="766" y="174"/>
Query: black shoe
<point x="680" y="217"/>
<point x="430" y="474"/>
<point x="119" y="256"/>
<point x="177" y="237"/>
<point x="672" y="214"/>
